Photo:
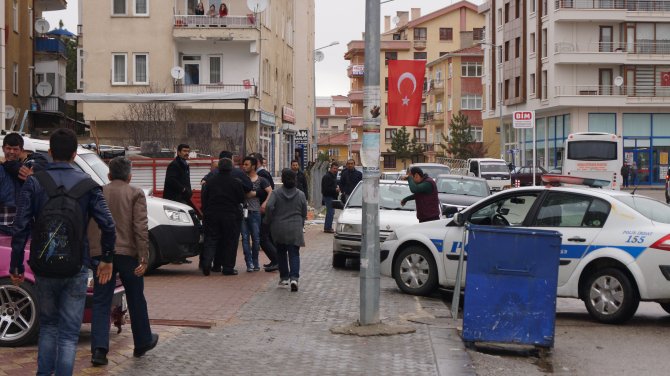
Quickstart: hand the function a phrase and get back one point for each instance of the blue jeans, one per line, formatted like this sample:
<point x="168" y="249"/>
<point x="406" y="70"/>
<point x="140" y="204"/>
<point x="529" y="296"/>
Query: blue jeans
<point x="62" y="303"/>
<point x="330" y="213"/>
<point x="291" y="262"/>
<point x="137" y="305"/>
<point x="251" y="226"/>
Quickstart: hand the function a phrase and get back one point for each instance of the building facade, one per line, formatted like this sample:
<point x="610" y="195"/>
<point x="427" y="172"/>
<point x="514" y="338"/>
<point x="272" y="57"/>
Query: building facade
<point x="245" y="51"/>
<point x="581" y="66"/>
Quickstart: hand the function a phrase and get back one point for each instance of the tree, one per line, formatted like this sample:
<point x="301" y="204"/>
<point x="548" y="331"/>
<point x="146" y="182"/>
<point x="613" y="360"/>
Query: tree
<point x="153" y="121"/>
<point x="461" y="144"/>
<point x="403" y="147"/>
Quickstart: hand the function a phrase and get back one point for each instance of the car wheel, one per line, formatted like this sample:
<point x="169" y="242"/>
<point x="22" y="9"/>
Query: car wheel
<point x="610" y="297"/>
<point x="415" y="271"/>
<point x="665" y="306"/>
<point x="19" y="322"/>
<point x="339" y="261"/>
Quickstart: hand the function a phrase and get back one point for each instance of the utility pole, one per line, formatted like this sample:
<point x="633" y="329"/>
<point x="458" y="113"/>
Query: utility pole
<point x="369" y="270"/>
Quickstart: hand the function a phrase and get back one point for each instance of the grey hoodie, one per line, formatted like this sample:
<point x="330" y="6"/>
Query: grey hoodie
<point x="285" y="213"/>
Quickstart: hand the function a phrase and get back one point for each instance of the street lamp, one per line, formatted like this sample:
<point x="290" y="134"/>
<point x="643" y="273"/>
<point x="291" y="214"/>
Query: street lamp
<point x="318" y="56"/>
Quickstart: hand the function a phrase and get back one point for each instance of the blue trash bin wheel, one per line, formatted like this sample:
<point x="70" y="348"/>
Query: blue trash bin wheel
<point x="415" y="271"/>
<point x="609" y="296"/>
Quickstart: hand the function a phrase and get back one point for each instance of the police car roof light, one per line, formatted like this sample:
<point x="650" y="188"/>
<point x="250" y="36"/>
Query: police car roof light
<point x="558" y="180"/>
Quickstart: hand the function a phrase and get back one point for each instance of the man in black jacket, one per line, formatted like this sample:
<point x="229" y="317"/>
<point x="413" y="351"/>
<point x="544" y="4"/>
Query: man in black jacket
<point x="267" y="245"/>
<point x="300" y="180"/>
<point x="349" y="179"/>
<point x="329" y="191"/>
<point x="178" y="178"/>
<point x="222" y="208"/>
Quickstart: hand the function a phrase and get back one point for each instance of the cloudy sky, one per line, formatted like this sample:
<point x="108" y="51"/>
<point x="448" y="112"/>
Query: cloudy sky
<point x="336" y="20"/>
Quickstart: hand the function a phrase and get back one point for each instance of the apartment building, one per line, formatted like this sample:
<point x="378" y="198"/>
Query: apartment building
<point x="582" y="66"/>
<point x="332" y="114"/>
<point x="412" y="37"/>
<point x="163" y="46"/>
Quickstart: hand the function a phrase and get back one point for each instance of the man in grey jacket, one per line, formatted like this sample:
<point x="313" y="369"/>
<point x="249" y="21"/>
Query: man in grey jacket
<point x="285" y="213"/>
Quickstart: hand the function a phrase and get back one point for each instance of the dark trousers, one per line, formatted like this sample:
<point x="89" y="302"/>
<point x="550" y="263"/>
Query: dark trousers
<point x="218" y="256"/>
<point x="266" y="242"/>
<point x="137" y="305"/>
<point x="222" y="234"/>
<point x="289" y="261"/>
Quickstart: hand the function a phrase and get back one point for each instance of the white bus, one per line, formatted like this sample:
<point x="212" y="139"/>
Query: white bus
<point x="594" y="155"/>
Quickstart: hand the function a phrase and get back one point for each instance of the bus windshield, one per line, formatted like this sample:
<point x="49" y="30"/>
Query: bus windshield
<point x="592" y="150"/>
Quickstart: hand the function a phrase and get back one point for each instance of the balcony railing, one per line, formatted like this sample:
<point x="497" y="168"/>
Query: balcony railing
<point x="190" y="21"/>
<point x="50" y="45"/>
<point x="354" y="121"/>
<point x="216" y="88"/>
<point x="629" y="5"/>
<point x="434" y="117"/>
<point x="51" y="104"/>
<point x="419" y="44"/>
<point x="640" y="46"/>
<point x="611" y="90"/>
<point x="435" y="85"/>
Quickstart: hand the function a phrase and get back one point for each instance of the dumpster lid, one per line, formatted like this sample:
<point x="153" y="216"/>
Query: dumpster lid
<point x="559" y="180"/>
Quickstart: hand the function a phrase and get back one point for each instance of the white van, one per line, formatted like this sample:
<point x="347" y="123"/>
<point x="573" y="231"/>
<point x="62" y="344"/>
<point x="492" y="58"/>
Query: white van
<point x="495" y="171"/>
<point x="174" y="229"/>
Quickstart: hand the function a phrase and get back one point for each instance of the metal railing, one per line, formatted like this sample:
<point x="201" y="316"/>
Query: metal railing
<point x="640" y="46"/>
<point x="354" y="121"/>
<point x="612" y="90"/>
<point x="215" y="88"/>
<point x="191" y="21"/>
<point x="629" y="5"/>
<point x="51" y="104"/>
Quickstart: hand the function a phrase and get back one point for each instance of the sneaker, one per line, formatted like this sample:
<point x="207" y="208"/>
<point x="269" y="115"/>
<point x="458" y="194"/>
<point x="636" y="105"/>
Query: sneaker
<point x="250" y="269"/>
<point x="283" y="282"/>
<point x="257" y="268"/>
<point x="294" y="285"/>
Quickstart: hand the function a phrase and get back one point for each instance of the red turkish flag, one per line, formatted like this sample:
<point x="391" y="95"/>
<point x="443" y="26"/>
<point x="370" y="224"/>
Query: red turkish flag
<point x="665" y="78"/>
<point x="405" y="91"/>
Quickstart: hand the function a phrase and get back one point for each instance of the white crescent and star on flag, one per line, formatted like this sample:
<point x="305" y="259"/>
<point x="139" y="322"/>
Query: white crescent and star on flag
<point x="666" y="77"/>
<point x="406" y="76"/>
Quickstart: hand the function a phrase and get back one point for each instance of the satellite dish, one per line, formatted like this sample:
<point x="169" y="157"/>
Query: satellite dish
<point x="396" y="20"/>
<point x="177" y="73"/>
<point x="354" y="135"/>
<point x="43" y="89"/>
<point x="257" y="5"/>
<point x="618" y="81"/>
<point x="318" y="56"/>
<point x="10" y="111"/>
<point x="42" y="26"/>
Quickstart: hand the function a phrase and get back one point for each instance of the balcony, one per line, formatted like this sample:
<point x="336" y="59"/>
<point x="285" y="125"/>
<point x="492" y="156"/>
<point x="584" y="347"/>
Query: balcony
<point x="435" y="86"/>
<point x="231" y="22"/>
<point x="229" y="28"/>
<point x="612" y="10"/>
<point x="628" y="5"/>
<point x="355" y="95"/>
<point x="216" y="88"/>
<point x="49" y="45"/>
<point x="354" y="122"/>
<point x="434" y="117"/>
<point x="419" y="44"/>
<point x="51" y="104"/>
<point x="612" y="96"/>
<point x="49" y="5"/>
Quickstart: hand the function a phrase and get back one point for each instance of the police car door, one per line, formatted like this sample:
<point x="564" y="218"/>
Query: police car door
<point x="510" y="209"/>
<point x="579" y="218"/>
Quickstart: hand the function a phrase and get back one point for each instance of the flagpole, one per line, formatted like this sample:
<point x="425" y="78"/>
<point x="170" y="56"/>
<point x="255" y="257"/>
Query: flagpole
<point x="370" y="269"/>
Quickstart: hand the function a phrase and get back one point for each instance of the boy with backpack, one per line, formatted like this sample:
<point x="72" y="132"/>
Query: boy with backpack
<point x="60" y="201"/>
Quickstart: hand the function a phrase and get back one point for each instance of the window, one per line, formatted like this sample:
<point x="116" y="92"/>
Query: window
<point x="544" y="7"/>
<point x="119" y="69"/>
<point x="570" y="210"/>
<point x="506" y="89"/>
<point x="517" y="47"/>
<point x="544" y="84"/>
<point x="390" y="55"/>
<point x="420" y="135"/>
<point x="531" y="86"/>
<point x="517" y="86"/>
<point x="389" y="134"/>
<point x="532" y="43"/>
<point x="477" y="134"/>
<point x="141" y="69"/>
<point x="471" y="102"/>
<point x="544" y="42"/>
<point x="15" y="16"/>
<point x="215" y="69"/>
<point x="420" y="55"/>
<point x="420" y="33"/>
<point x="500" y="16"/>
<point x="451" y="70"/>
<point x="506" y="211"/>
<point x="386" y="84"/>
<point x="507" y="51"/>
<point x="506" y="12"/>
<point x="119" y="7"/>
<point x="15" y="79"/>
<point x="396" y="36"/>
<point x="450" y="104"/>
<point x="141" y="7"/>
<point x="266" y="76"/>
<point x="389" y="161"/>
<point x="471" y="69"/>
<point x="447" y="33"/>
<point x="532" y="6"/>
<point x="323" y="122"/>
<point x="31" y="17"/>
<point x="478" y="33"/>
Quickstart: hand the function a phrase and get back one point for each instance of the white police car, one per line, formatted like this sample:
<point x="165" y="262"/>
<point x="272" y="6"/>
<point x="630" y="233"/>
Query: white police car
<point x="615" y="246"/>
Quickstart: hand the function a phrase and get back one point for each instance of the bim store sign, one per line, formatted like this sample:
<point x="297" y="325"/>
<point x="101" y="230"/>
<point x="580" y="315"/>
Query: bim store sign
<point x="524" y="119"/>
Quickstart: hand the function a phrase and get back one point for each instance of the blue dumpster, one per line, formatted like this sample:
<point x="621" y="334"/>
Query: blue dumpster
<point x="510" y="286"/>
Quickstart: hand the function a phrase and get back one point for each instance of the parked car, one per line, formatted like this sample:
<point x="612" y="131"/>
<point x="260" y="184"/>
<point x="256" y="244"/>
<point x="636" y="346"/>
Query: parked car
<point x="432" y="169"/>
<point x="175" y="232"/>
<point x="393" y="175"/>
<point x="347" y="239"/>
<point x="19" y="305"/>
<point x="457" y="192"/>
<point x="525" y="176"/>
<point x="615" y="246"/>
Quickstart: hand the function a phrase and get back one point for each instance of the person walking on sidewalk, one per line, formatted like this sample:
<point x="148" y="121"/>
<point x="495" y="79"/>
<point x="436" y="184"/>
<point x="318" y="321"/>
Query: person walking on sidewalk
<point x="625" y="170"/>
<point x="251" y="223"/>
<point x="222" y="207"/>
<point x="349" y="179"/>
<point x="128" y="206"/>
<point x="267" y="245"/>
<point x="177" y="185"/>
<point x="285" y="213"/>
<point x="300" y="179"/>
<point x="329" y="191"/>
<point x="424" y="192"/>
<point x="62" y="299"/>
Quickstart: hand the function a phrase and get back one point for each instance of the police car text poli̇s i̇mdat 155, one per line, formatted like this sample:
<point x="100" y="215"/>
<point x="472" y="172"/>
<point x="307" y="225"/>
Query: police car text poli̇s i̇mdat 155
<point x="615" y="248"/>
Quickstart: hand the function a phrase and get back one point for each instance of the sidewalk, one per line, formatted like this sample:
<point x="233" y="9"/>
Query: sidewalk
<point x="279" y="332"/>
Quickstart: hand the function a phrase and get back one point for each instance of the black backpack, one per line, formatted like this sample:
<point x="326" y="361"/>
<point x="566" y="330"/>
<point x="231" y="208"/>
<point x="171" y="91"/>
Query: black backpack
<point x="57" y="245"/>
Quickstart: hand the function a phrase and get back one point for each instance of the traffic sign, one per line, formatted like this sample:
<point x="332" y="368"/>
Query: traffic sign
<point x="523" y="119"/>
